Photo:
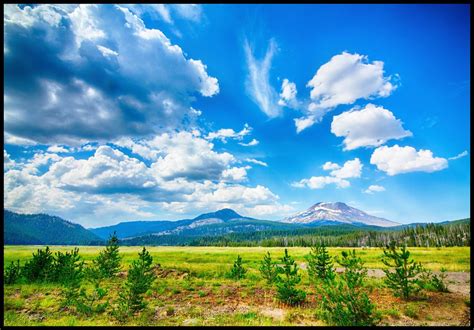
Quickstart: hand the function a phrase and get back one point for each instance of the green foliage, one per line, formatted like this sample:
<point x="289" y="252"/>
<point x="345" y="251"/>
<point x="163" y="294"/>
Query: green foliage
<point x="412" y="310"/>
<point x="268" y="269"/>
<point x="12" y="273"/>
<point x="108" y="261"/>
<point x="68" y="267"/>
<point x="287" y="280"/>
<point x="86" y="302"/>
<point x="354" y="271"/>
<point x="238" y="271"/>
<point x="90" y="303"/>
<point x="430" y="281"/>
<point x="344" y="301"/>
<point x="40" y="268"/>
<point x="320" y="265"/>
<point x="403" y="279"/>
<point x="139" y="280"/>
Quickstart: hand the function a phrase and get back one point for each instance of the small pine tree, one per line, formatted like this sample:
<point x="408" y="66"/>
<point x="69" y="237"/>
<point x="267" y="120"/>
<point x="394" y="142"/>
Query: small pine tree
<point x="344" y="303"/>
<point x="320" y="265"/>
<point x="40" y="267"/>
<point x="268" y="269"/>
<point x="68" y="267"/>
<point x="108" y="261"/>
<point x="12" y="273"/>
<point x="69" y="271"/>
<point x="139" y="280"/>
<point x="403" y="280"/>
<point x="238" y="271"/>
<point x="287" y="280"/>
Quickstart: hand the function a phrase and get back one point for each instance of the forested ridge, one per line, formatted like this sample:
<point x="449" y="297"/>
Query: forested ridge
<point x="454" y="233"/>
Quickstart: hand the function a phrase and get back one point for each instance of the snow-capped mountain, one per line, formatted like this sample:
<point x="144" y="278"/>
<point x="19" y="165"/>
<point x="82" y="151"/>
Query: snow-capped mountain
<point x="337" y="212"/>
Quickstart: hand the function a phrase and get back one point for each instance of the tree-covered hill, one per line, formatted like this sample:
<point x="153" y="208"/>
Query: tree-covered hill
<point x="27" y="229"/>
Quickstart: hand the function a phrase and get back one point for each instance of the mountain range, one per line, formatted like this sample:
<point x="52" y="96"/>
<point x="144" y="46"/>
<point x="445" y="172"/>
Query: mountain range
<point x="46" y="229"/>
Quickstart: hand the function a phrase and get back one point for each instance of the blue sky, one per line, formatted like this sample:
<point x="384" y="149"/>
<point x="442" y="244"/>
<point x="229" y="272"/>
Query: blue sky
<point x="116" y="113"/>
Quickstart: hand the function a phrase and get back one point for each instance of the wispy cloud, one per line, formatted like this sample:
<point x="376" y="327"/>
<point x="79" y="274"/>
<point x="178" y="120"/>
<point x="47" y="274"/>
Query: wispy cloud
<point x="461" y="155"/>
<point x="258" y="80"/>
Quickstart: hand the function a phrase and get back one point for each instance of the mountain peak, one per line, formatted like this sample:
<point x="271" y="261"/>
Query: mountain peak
<point x="338" y="212"/>
<point x="331" y="205"/>
<point x="223" y="214"/>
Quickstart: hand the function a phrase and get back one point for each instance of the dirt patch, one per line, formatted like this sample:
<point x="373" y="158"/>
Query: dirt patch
<point x="169" y="272"/>
<point x="277" y="314"/>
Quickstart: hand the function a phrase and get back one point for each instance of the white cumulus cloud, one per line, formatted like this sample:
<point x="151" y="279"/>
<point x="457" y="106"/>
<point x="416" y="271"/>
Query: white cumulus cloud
<point x="395" y="160"/>
<point x="343" y="80"/>
<point x="374" y="188"/>
<point x="252" y="143"/>
<point x="113" y="76"/>
<point x="288" y="94"/>
<point x="350" y="169"/>
<point x="371" y="126"/>
<point x="228" y="133"/>
<point x="330" y="166"/>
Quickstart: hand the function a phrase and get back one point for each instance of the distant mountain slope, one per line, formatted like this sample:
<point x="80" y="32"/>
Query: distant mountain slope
<point x="138" y="228"/>
<point x="222" y="221"/>
<point x="224" y="215"/>
<point x="44" y="229"/>
<point x="239" y="225"/>
<point x="337" y="212"/>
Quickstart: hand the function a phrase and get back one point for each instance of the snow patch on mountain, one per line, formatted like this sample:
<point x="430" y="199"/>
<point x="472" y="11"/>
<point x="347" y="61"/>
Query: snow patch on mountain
<point x="339" y="212"/>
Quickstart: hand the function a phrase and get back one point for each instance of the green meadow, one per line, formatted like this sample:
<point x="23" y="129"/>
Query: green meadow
<point x="193" y="289"/>
<point x="218" y="259"/>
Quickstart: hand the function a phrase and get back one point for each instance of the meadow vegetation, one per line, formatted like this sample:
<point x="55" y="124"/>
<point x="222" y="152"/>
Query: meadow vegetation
<point x="192" y="286"/>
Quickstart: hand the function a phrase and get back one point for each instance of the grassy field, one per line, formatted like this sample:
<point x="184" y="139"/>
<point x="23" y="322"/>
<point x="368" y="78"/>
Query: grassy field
<point x="193" y="289"/>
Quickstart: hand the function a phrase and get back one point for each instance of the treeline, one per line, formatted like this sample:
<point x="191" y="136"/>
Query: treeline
<point x="422" y="235"/>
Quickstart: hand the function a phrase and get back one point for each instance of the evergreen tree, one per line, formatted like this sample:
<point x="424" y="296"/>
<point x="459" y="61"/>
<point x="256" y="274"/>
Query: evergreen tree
<point x="139" y="280"/>
<point x="108" y="261"/>
<point x="68" y="266"/>
<point x="287" y="280"/>
<point x="403" y="280"/>
<point x="40" y="267"/>
<point x="238" y="271"/>
<point x="12" y="273"/>
<point x="344" y="302"/>
<point x="320" y="265"/>
<point x="268" y="269"/>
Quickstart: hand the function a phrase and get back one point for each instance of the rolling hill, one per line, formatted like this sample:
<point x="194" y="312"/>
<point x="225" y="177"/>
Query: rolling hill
<point x="44" y="229"/>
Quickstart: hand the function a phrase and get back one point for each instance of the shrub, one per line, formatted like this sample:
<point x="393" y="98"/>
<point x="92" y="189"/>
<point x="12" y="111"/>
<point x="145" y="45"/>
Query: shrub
<point x="139" y="280"/>
<point x="344" y="302"/>
<point x="40" y="267"/>
<point x="403" y="280"/>
<point x="412" y="310"/>
<point x="238" y="271"/>
<point x="286" y="282"/>
<point x="108" y="261"/>
<point x="320" y="265"/>
<point x="268" y="269"/>
<point x="90" y="303"/>
<point x="430" y="281"/>
<point x="68" y="267"/>
<point x="12" y="273"/>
